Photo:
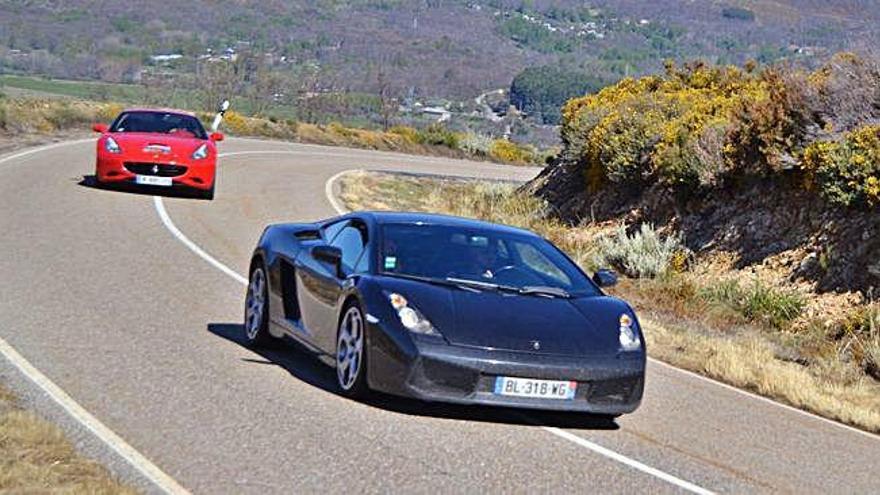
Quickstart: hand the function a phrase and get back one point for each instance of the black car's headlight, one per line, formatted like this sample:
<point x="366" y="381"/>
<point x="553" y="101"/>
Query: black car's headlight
<point x="201" y="152"/>
<point x="629" y="339"/>
<point x="410" y="317"/>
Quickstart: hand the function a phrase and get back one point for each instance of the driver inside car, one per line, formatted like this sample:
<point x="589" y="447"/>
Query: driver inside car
<point x="486" y="261"/>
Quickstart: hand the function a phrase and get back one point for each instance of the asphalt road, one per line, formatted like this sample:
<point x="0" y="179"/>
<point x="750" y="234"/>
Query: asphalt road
<point x="143" y="333"/>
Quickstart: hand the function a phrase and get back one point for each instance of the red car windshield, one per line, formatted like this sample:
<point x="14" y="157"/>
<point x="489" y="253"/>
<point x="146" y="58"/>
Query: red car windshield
<point x="159" y="122"/>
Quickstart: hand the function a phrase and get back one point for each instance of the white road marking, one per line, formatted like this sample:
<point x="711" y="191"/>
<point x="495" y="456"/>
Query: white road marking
<point x="341" y="209"/>
<point x="328" y="191"/>
<point x="765" y="399"/>
<point x="571" y="437"/>
<point x="166" y="220"/>
<point x="169" y="224"/>
<point x="137" y="460"/>
<point x="40" y="149"/>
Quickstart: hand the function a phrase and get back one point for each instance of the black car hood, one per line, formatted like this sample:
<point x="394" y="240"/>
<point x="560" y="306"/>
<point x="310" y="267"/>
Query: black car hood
<point x="505" y="321"/>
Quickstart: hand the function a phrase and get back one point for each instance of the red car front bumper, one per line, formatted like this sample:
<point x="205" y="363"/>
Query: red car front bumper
<point x="118" y="168"/>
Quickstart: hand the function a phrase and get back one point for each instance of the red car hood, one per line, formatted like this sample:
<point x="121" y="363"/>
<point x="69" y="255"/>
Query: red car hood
<point x="138" y="146"/>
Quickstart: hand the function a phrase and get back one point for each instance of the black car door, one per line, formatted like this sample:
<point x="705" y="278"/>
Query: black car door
<point x="321" y="284"/>
<point x="311" y="276"/>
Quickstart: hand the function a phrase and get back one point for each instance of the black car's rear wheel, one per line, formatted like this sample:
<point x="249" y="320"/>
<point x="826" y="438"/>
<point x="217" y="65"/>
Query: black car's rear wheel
<point x="256" y="308"/>
<point x="351" y="370"/>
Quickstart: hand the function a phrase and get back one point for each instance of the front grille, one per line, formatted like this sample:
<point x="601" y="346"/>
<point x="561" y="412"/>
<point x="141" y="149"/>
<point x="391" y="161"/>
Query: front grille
<point x="435" y="374"/>
<point x="157" y="169"/>
<point x="613" y="391"/>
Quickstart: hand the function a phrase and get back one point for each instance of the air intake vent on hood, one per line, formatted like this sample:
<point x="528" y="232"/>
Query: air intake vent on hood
<point x="308" y="234"/>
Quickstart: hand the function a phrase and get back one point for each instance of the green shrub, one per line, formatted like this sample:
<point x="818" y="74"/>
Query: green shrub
<point x="476" y="144"/>
<point x="439" y="135"/>
<point x="738" y="13"/>
<point x="847" y="172"/>
<point x="644" y="254"/>
<point x="861" y="335"/>
<point x="757" y="302"/>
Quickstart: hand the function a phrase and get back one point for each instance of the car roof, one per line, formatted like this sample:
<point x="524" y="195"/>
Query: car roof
<point x="160" y="110"/>
<point x="396" y="217"/>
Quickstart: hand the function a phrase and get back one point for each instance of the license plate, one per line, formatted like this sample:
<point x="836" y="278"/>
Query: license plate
<point x="152" y="180"/>
<point x="528" y="387"/>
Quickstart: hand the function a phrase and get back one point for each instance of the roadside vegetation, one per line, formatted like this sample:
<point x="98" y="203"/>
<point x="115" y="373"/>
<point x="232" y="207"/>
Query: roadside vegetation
<point x="28" y="115"/>
<point x="35" y="457"/>
<point x="701" y="129"/>
<point x="738" y="326"/>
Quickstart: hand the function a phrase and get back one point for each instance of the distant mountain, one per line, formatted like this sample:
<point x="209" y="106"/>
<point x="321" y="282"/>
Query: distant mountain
<point x="451" y="48"/>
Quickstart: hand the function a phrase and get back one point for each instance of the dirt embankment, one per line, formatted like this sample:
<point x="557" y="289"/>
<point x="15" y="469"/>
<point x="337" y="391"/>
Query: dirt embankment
<point x="762" y="222"/>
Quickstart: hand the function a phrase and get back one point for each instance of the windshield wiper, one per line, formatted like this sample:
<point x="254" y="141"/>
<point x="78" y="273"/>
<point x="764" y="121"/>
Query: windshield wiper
<point x="436" y="281"/>
<point x="542" y="290"/>
<point x="483" y="285"/>
<point x="477" y="285"/>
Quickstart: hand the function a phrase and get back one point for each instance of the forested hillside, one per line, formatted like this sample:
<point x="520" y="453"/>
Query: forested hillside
<point x="452" y="48"/>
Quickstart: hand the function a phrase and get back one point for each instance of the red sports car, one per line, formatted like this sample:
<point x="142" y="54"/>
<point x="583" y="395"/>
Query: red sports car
<point x="164" y="148"/>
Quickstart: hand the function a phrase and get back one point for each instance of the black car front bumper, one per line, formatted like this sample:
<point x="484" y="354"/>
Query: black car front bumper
<point x="436" y="371"/>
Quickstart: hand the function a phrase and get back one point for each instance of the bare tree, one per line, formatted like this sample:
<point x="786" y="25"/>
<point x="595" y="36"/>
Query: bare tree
<point x="308" y="90"/>
<point x="266" y="88"/>
<point x="388" y="102"/>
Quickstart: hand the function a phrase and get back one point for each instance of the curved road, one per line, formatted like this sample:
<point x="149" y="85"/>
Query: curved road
<point x="101" y="297"/>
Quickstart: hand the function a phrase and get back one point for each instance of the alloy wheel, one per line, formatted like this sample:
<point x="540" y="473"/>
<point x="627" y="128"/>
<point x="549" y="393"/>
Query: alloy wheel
<point x="350" y="348"/>
<point x="255" y="304"/>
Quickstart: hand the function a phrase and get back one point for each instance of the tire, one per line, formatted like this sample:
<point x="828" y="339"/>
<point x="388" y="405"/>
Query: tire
<point x="606" y="418"/>
<point x="351" y="356"/>
<point x="256" y="309"/>
<point x="209" y="194"/>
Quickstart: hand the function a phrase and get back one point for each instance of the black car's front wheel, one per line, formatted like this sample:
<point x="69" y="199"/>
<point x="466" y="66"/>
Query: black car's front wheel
<point x="351" y="362"/>
<point x="256" y="308"/>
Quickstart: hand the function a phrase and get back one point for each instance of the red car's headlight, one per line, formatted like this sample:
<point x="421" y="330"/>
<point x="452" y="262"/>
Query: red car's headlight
<point x="112" y="146"/>
<point x="201" y="152"/>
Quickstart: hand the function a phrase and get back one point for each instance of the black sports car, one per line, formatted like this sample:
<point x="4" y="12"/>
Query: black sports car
<point x="447" y="309"/>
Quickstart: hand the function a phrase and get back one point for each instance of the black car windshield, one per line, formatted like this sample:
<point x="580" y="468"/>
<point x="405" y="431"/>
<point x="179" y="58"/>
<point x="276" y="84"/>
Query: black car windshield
<point x="159" y="122"/>
<point x="480" y="258"/>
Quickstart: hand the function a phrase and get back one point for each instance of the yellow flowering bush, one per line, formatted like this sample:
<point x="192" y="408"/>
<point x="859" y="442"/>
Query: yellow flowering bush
<point x="508" y="152"/>
<point x="847" y="172"/>
<point x="696" y="127"/>
<point x="670" y="129"/>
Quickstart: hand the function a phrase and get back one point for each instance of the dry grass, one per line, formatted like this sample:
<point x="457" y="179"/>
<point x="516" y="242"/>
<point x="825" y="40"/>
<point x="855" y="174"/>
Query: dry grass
<point x="740" y="340"/>
<point x="35" y="457"/>
<point x="29" y="115"/>
<point x="21" y="116"/>
<point x="749" y="361"/>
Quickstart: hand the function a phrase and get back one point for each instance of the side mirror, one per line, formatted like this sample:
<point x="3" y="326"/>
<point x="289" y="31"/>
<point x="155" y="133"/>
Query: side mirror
<point x="605" y="278"/>
<point x="327" y="254"/>
<point x="102" y="128"/>
<point x="216" y="136"/>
